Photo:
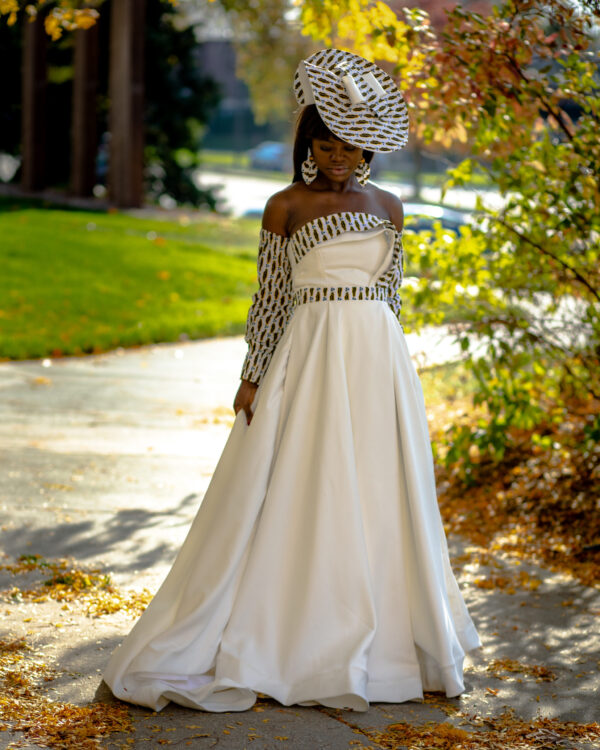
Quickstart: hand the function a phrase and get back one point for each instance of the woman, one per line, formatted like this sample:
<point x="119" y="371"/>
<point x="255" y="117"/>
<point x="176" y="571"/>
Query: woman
<point x="316" y="570"/>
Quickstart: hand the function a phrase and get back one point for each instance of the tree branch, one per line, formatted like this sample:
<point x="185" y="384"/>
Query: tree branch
<point x="546" y="104"/>
<point x="582" y="280"/>
<point x="546" y="343"/>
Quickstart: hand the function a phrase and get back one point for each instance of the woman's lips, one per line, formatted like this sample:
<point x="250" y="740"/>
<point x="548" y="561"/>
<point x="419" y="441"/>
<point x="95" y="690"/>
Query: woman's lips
<point x="338" y="170"/>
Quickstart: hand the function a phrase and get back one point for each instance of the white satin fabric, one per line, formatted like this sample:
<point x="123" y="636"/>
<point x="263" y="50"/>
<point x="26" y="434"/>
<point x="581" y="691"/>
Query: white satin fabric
<point x="317" y="568"/>
<point x="351" y="259"/>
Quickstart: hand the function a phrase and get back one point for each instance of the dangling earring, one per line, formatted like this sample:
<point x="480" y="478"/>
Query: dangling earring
<point x="309" y="168"/>
<point x="362" y="172"/>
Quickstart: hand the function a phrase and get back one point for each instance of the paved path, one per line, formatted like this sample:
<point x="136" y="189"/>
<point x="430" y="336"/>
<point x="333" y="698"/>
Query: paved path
<point x="105" y="459"/>
<point x="88" y="424"/>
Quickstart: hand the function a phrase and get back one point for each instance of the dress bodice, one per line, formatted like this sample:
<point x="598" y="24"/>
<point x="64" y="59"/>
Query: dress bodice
<point x="339" y="257"/>
<point x="353" y="258"/>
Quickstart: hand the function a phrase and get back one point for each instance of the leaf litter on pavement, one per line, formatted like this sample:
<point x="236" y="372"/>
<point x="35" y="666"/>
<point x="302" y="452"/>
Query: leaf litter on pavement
<point x="90" y="587"/>
<point x="504" y="732"/>
<point x="24" y="704"/>
<point x="471" y="731"/>
<point x="539" y="504"/>
<point x="24" y="707"/>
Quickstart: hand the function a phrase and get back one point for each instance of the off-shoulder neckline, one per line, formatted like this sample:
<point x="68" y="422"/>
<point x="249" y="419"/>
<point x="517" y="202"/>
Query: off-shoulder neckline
<point x="325" y="217"/>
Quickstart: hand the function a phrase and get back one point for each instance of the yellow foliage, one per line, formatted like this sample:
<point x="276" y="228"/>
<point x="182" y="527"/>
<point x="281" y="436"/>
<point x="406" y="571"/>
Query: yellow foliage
<point x="53" y="27"/>
<point x="85" y="18"/>
<point x="8" y="7"/>
<point x="63" y="17"/>
<point x="444" y="134"/>
<point x="367" y="28"/>
<point x="536" y="164"/>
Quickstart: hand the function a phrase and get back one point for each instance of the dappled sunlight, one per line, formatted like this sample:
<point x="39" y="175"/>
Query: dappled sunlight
<point x="538" y="503"/>
<point x="24" y="675"/>
<point x="144" y="538"/>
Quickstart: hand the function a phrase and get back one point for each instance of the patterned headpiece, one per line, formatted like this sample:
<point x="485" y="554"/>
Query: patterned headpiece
<point x="357" y="100"/>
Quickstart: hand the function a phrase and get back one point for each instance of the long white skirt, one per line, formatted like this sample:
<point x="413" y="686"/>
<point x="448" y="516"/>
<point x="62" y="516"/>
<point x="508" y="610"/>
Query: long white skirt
<point x="317" y="567"/>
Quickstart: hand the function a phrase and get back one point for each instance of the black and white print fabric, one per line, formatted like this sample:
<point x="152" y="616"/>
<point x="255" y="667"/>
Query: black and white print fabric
<point x="356" y="99"/>
<point x="271" y="305"/>
<point x="275" y="300"/>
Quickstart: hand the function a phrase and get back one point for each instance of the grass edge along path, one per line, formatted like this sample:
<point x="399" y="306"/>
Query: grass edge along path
<point x="77" y="282"/>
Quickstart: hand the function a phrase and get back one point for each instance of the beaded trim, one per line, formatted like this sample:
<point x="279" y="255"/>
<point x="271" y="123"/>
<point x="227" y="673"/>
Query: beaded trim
<point x="331" y="226"/>
<point x="337" y="294"/>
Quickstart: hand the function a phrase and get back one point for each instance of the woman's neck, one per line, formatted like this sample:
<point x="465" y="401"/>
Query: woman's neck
<point x="324" y="184"/>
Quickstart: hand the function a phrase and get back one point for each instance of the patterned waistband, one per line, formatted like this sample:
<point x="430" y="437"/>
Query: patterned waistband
<point x="338" y="294"/>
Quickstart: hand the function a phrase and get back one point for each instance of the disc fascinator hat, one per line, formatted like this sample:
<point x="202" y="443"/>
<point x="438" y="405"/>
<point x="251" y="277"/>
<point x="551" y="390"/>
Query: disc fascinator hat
<point x="357" y="100"/>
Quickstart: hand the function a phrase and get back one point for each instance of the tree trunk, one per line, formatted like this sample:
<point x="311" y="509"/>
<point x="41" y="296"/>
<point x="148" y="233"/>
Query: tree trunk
<point x="33" y="123"/>
<point x="84" y="137"/>
<point x="126" y="85"/>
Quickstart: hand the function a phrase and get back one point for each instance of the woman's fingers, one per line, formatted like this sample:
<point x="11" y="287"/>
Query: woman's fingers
<point x="244" y="398"/>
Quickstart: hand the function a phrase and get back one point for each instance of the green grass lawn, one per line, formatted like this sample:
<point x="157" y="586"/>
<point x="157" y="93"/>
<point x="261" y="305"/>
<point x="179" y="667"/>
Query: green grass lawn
<point x="74" y="282"/>
<point x="78" y="281"/>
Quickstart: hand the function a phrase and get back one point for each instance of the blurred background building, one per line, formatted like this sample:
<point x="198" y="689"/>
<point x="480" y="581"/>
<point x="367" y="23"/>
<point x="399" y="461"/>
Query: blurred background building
<point x="134" y="107"/>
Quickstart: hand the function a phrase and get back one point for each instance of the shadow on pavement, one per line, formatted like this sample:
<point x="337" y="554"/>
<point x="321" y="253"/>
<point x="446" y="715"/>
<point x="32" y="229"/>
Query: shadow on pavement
<point x="126" y="540"/>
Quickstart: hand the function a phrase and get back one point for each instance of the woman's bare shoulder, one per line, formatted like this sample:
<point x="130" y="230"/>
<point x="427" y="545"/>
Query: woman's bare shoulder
<point x="278" y="209"/>
<point x="392" y="204"/>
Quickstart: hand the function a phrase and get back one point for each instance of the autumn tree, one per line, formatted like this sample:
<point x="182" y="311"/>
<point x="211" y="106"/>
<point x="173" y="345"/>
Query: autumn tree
<point x="59" y="15"/>
<point x="174" y="83"/>
<point x="521" y="85"/>
<point x="269" y="42"/>
<point x="179" y="101"/>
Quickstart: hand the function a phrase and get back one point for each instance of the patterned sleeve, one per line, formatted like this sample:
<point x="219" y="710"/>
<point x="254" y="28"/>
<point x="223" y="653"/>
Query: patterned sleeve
<point x="271" y="305"/>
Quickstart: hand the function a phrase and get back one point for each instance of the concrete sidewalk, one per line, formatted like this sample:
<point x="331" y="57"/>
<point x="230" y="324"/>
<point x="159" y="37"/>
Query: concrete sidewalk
<point x="105" y="459"/>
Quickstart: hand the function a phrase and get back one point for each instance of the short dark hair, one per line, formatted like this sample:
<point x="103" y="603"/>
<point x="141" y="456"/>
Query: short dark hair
<point x="308" y="126"/>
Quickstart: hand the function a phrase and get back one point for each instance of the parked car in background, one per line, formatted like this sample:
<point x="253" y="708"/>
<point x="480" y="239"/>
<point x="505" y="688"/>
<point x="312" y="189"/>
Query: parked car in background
<point x="418" y="217"/>
<point x="271" y="155"/>
<point x="422" y="216"/>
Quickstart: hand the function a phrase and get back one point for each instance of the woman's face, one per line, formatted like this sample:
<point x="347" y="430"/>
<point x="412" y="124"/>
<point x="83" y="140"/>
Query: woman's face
<point x="336" y="159"/>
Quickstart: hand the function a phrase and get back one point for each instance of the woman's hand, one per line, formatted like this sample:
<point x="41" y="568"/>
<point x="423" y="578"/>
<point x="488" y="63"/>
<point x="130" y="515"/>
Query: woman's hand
<point x="244" y="398"/>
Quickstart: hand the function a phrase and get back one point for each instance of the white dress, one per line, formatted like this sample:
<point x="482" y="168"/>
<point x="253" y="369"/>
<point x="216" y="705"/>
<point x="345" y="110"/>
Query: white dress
<point x="316" y="569"/>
